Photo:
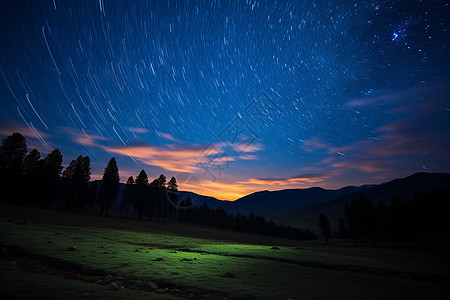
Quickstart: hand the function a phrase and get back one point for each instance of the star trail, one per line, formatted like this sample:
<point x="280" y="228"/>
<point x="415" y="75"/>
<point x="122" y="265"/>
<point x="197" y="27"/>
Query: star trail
<point x="242" y="95"/>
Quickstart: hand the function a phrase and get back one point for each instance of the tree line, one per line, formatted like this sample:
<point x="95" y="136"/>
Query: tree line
<point x="33" y="180"/>
<point x="399" y="222"/>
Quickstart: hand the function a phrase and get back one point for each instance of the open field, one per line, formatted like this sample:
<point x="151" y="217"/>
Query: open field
<point x="187" y="261"/>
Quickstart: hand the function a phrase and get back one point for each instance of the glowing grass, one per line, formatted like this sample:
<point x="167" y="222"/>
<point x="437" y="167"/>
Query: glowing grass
<point x="212" y="266"/>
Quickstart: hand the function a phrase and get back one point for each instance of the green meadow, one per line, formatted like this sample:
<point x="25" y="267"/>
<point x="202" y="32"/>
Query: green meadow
<point x="53" y="254"/>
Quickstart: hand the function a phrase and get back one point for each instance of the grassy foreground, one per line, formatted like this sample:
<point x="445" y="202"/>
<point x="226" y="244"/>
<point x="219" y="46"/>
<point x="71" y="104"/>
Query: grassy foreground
<point x="61" y="255"/>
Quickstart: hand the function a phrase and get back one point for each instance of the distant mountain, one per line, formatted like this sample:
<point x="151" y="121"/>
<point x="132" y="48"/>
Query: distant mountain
<point x="198" y="200"/>
<point x="301" y="207"/>
<point x="334" y="207"/>
<point x="271" y="204"/>
<point x="263" y="203"/>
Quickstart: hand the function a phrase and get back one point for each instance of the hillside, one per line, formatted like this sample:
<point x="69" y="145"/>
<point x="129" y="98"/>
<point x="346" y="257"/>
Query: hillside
<point x="300" y="207"/>
<point x="401" y="188"/>
<point x="61" y="255"/>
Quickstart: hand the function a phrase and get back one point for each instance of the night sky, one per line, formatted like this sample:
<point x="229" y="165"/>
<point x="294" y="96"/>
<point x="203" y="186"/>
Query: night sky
<point x="232" y="97"/>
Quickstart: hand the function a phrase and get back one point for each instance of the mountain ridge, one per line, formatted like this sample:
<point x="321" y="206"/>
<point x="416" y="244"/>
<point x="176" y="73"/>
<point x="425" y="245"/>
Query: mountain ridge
<point x="290" y="206"/>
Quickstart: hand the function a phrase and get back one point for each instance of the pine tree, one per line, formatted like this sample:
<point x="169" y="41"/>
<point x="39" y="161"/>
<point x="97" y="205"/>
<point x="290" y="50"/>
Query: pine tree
<point x="161" y="199"/>
<point x="154" y="195"/>
<point x="128" y="196"/>
<point x="12" y="154"/>
<point x="109" y="186"/>
<point x="342" y="228"/>
<point x="141" y="193"/>
<point x="50" y="172"/>
<point x="172" y="188"/>
<point x="92" y="197"/>
<point x="77" y="175"/>
<point x="31" y="177"/>
<point x="31" y="162"/>
<point x="13" y="151"/>
<point x="188" y="208"/>
<point x="325" y="227"/>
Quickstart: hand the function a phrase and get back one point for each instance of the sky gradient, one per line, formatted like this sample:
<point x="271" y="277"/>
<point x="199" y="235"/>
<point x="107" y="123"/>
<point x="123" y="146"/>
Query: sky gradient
<point x="232" y="97"/>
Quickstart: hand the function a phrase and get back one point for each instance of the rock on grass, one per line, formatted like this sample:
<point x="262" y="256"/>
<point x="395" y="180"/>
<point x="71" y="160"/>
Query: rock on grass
<point x="153" y="285"/>
<point x="186" y="259"/>
<point x="229" y="275"/>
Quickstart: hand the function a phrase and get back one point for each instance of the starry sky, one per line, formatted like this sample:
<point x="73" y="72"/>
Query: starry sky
<point x="232" y="97"/>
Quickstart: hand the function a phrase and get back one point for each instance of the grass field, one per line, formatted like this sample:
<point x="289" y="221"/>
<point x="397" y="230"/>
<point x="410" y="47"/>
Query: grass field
<point x="69" y="256"/>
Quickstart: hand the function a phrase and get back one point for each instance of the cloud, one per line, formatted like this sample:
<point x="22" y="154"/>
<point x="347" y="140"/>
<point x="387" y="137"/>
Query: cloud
<point x="170" y="137"/>
<point x="304" y="178"/>
<point x="313" y="144"/>
<point x="419" y="140"/>
<point x="362" y="165"/>
<point x="246" y="148"/>
<point x="397" y="98"/>
<point x="180" y="158"/>
<point x="10" y="128"/>
<point x="36" y="139"/>
<point x="138" y="129"/>
<point x="83" y="138"/>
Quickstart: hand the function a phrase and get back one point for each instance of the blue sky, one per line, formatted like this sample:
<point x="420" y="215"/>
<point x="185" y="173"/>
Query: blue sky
<point x="242" y="95"/>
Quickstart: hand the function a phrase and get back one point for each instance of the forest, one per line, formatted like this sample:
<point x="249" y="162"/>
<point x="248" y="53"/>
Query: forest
<point x="399" y="222"/>
<point x="32" y="180"/>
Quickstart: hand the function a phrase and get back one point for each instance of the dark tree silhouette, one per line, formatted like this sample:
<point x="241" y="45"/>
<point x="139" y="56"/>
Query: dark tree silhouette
<point x="154" y="194"/>
<point x="12" y="154"/>
<point x="50" y="172"/>
<point x="30" y="163"/>
<point x="342" y="229"/>
<point x="253" y="224"/>
<point x="77" y="175"/>
<point x="188" y="208"/>
<point x="400" y="221"/>
<point x="128" y="196"/>
<point x="31" y="177"/>
<point x="220" y="218"/>
<point x="93" y="191"/>
<point x="161" y="200"/>
<point x="13" y="151"/>
<point x="181" y="211"/>
<point x="172" y="188"/>
<point x="361" y="220"/>
<point x="109" y="186"/>
<point x="325" y="227"/>
<point x="141" y="194"/>
<point x="366" y="218"/>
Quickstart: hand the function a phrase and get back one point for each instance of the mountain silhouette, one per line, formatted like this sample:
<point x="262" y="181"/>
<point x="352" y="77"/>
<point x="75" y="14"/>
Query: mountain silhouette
<point x="301" y="207"/>
<point x="401" y="188"/>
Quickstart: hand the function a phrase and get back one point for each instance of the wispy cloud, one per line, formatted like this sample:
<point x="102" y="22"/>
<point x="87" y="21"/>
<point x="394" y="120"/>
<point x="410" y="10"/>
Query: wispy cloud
<point x="180" y="158"/>
<point x="313" y="144"/>
<point x="283" y="181"/>
<point x="170" y="137"/>
<point x="36" y="139"/>
<point x="397" y="97"/>
<point x="8" y="129"/>
<point x="138" y="129"/>
<point x="83" y="137"/>
<point x="420" y="139"/>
